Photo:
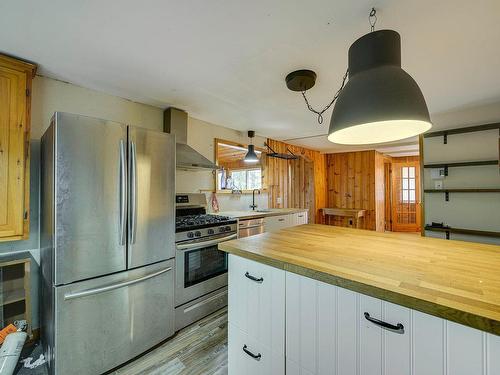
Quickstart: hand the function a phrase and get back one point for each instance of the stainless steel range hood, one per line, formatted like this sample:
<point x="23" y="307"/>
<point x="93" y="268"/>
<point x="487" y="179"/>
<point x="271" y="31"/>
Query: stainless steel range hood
<point x="175" y="122"/>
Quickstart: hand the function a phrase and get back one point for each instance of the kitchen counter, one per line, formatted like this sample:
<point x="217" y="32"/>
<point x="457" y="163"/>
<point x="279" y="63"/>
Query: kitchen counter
<point x="264" y="213"/>
<point x="454" y="280"/>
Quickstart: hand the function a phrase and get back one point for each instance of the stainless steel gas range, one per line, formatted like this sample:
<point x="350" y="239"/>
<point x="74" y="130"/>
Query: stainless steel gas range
<point x="200" y="268"/>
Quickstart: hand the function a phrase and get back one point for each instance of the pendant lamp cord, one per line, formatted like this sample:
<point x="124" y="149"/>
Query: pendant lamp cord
<point x="372" y="18"/>
<point x="320" y="113"/>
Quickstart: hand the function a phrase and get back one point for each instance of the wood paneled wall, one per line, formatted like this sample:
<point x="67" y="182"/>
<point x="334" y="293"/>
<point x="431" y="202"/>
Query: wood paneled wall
<point x="299" y="183"/>
<point x="356" y="180"/>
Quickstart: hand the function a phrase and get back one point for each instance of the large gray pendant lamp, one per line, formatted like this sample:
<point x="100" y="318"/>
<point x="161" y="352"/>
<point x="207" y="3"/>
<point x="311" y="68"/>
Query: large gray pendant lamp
<point x="380" y="102"/>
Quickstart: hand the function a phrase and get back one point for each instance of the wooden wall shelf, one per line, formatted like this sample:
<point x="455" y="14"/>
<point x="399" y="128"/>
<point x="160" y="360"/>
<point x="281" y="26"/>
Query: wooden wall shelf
<point x="448" y="191"/>
<point x="462" y="164"/>
<point x="474" y="232"/>
<point x="462" y="190"/>
<point x="468" y="129"/>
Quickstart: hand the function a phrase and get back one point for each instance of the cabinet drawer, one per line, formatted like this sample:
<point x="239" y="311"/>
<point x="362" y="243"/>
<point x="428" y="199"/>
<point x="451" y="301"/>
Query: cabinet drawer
<point x="276" y="222"/>
<point x="256" y="302"/>
<point x="247" y="356"/>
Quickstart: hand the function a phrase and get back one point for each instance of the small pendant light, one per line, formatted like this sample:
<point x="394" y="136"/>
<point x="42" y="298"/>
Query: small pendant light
<point x="251" y="156"/>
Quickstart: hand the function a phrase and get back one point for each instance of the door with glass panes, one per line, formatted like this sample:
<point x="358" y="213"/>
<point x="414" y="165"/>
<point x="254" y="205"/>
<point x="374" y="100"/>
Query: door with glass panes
<point x="406" y="197"/>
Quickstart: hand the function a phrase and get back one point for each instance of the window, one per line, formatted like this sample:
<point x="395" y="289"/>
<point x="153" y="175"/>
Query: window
<point x="243" y="179"/>
<point x="408" y="189"/>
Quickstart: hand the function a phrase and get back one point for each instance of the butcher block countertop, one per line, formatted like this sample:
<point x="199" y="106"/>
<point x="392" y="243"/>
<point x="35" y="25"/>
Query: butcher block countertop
<point x="454" y="280"/>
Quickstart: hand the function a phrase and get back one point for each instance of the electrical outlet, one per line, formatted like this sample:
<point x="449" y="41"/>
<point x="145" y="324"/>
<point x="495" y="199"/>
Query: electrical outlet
<point x="279" y="200"/>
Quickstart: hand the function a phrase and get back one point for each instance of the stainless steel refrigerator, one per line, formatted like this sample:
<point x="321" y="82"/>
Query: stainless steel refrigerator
<point x="107" y="242"/>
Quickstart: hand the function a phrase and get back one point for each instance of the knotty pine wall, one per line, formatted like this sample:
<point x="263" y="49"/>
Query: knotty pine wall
<point x="356" y="180"/>
<point x="299" y="183"/>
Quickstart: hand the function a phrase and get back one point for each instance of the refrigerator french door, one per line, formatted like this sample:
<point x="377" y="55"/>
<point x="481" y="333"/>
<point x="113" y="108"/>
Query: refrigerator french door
<point x="107" y="242"/>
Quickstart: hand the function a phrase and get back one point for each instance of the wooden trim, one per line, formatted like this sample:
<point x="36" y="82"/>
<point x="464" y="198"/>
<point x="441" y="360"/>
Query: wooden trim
<point x="18" y="64"/>
<point x="468" y="129"/>
<point x="422" y="195"/>
<point x="473" y="232"/>
<point x="462" y="164"/>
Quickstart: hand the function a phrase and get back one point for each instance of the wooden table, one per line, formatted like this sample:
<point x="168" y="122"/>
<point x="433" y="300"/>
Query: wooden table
<point x="354" y="213"/>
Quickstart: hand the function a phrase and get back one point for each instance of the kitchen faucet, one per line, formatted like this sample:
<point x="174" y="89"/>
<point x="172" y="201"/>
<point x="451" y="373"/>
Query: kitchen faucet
<point x="253" y="206"/>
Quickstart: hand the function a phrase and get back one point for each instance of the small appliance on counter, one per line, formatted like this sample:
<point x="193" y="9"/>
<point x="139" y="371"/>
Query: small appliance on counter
<point x="200" y="268"/>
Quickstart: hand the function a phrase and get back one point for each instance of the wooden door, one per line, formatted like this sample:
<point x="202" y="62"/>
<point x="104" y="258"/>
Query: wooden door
<point x="406" y="196"/>
<point x="15" y="85"/>
<point x="12" y="152"/>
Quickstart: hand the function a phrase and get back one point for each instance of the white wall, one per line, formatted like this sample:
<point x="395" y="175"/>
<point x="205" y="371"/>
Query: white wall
<point x="201" y="136"/>
<point x="50" y="95"/>
<point x="479" y="211"/>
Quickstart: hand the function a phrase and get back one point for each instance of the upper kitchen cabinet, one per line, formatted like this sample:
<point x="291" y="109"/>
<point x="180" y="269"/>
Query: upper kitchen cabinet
<point x="15" y="98"/>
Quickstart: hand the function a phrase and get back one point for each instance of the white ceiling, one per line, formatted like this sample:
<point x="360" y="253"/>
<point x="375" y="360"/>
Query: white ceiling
<point x="225" y="61"/>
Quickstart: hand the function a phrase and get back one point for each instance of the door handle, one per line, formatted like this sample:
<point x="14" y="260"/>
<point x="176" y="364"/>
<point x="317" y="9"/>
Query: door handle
<point x="133" y="192"/>
<point x="199" y="245"/>
<point x="89" y="292"/>
<point x="123" y="193"/>
<point x="259" y="280"/>
<point x="399" y="328"/>
<point x="254" y="356"/>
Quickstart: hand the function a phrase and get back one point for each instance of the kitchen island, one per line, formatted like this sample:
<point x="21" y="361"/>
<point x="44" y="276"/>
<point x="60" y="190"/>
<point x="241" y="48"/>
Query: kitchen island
<point x="316" y="299"/>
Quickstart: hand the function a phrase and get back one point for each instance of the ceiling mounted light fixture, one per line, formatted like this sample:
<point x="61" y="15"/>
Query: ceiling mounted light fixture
<point x="380" y="102"/>
<point x="251" y="156"/>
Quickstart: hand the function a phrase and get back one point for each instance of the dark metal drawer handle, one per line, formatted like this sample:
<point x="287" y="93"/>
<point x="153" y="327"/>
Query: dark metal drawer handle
<point x="399" y="328"/>
<point x="281" y="219"/>
<point x="256" y="357"/>
<point x="253" y="278"/>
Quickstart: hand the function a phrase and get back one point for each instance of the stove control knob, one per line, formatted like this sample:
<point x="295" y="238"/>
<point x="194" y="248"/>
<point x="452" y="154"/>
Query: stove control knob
<point x="227" y="229"/>
<point x="190" y="234"/>
<point x="221" y="229"/>
<point x="210" y="231"/>
<point x="197" y="233"/>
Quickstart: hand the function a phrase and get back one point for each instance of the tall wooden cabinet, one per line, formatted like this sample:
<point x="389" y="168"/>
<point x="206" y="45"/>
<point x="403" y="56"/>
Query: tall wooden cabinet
<point x="15" y="98"/>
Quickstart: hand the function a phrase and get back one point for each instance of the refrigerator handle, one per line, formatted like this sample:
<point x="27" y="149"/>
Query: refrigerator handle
<point x="133" y="192"/>
<point x="123" y="193"/>
<point x="89" y="292"/>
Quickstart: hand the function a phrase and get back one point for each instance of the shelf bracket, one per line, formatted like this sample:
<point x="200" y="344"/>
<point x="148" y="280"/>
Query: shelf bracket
<point x="447" y="196"/>
<point x="445" y="138"/>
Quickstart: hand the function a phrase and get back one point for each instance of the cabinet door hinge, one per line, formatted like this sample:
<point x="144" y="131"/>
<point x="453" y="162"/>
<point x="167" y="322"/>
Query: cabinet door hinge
<point x="25" y="215"/>
<point x="27" y="92"/>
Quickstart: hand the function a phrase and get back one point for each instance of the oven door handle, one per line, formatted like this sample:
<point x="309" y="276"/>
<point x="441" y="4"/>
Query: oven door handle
<point x="198" y="245"/>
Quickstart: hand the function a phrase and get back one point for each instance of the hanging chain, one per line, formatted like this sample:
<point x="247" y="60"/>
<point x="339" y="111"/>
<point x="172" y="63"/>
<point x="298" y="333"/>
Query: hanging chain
<point x="320" y="113"/>
<point x="372" y="18"/>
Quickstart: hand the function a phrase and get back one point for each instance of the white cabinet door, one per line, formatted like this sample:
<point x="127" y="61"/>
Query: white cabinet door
<point x="397" y="345"/>
<point x="247" y="356"/>
<point x="272" y="223"/>
<point x="321" y="328"/>
<point x="370" y="336"/>
<point x="302" y="218"/>
<point x="256" y="300"/>
<point x="327" y="333"/>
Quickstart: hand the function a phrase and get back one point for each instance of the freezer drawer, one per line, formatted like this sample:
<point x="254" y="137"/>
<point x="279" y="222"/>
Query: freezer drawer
<point x="104" y="322"/>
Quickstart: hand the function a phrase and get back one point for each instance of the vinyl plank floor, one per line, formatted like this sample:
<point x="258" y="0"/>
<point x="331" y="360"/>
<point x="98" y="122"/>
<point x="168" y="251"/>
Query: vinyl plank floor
<point x="199" y="349"/>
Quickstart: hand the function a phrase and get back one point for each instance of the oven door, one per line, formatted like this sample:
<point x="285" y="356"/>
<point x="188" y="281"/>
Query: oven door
<point x="200" y="268"/>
